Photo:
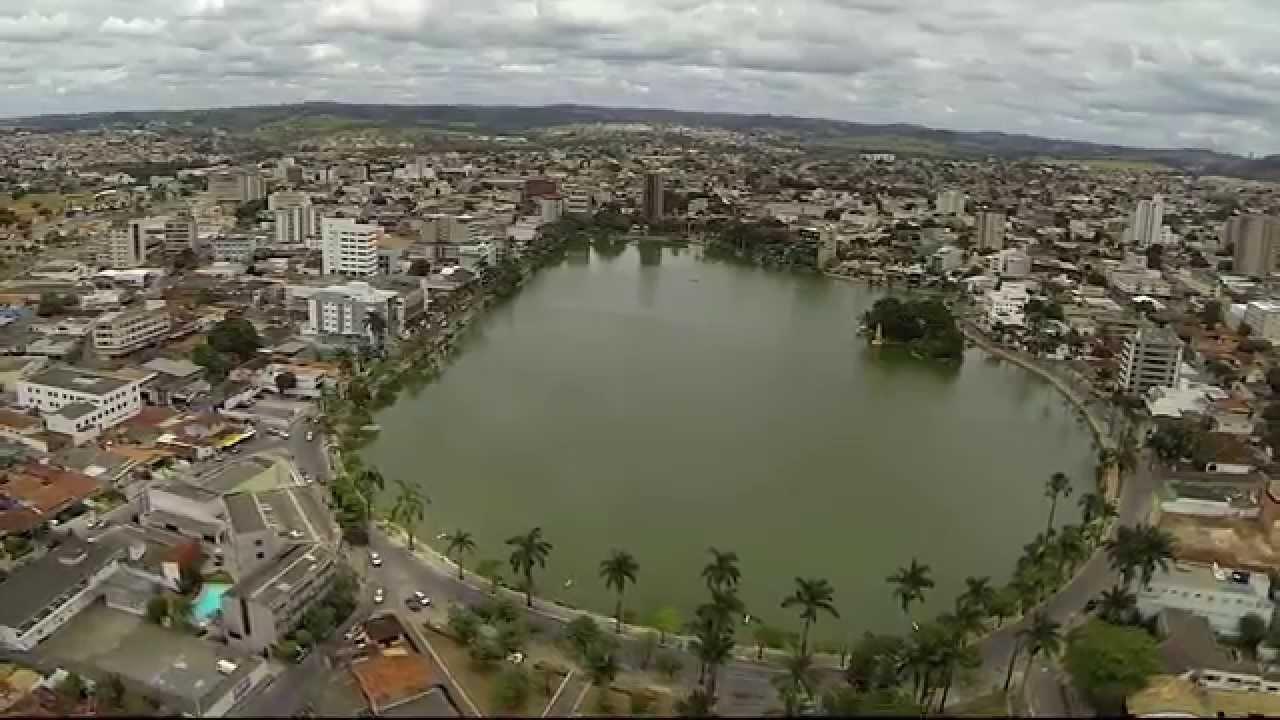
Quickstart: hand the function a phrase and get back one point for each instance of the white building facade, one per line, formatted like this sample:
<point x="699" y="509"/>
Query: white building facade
<point x="122" y="332"/>
<point x="349" y="247"/>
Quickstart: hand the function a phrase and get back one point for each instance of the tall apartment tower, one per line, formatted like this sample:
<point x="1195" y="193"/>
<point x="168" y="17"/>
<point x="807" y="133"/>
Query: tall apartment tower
<point x="990" y="230"/>
<point x="949" y="202"/>
<point x="1147" y="222"/>
<point x="293" y="216"/>
<point x="348" y="247"/>
<point x="1257" y="243"/>
<point x="654" y="186"/>
<point x="1151" y="358"/>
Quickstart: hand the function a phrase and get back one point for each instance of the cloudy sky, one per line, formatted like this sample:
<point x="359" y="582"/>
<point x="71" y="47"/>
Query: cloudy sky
<point x="1145" y="72"/>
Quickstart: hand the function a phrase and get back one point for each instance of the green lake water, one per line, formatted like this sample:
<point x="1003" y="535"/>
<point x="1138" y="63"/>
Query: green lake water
<point x="657" y="402"/>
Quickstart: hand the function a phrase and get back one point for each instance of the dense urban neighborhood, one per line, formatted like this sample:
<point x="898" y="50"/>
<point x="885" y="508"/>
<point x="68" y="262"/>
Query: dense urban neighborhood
<point x="199" y="327"/>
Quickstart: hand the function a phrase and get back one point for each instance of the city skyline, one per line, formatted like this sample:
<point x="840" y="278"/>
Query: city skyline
<point x="1179" y="74"/>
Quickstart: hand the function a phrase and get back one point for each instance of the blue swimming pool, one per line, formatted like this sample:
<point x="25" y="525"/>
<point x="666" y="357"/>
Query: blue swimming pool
<point x="208" y="602"/>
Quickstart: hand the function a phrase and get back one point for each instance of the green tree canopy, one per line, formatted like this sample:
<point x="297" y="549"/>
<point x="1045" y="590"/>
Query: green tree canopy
<point x="1109" y="663"/>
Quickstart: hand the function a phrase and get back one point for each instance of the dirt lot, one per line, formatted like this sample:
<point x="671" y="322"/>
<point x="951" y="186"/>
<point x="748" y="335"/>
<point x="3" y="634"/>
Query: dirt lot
<point x="1235" y="543"/>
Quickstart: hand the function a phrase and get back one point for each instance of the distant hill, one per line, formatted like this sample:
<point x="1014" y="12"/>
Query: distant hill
<point x="517" y="119"/>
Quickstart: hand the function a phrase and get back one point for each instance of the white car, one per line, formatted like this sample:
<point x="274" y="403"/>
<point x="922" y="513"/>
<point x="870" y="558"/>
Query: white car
<point x="379" y="596"/>
<point x="375" y="559"/>
<point x="310" y="436"/>
<point x="422" y="598"/>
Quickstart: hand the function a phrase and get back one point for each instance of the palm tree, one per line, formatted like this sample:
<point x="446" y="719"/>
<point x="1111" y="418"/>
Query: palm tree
<point x="812" y="595"/>
<point x="527" y="552"/>
<point x="1072" y="548"/>
<point x="410" y="508"/>
<point x="1116" y="605"/>
<point x="909" y="584"/>
<point x="491" y="570"/>
<point x="1095" y="511"/>
<point x="1059" y="485"/>
<point x="798" y="683"/>
<point x="367" y="481"/>
<point x="617" y="570"/>
<point x="722" y="572"/>
<point x="956" y="655"/>
<point x="1156" y="548"/>
<point x="978" y="594"/>
<point x="696" y="704"/>
<point x="376" y="325"/>
<point x="458" y="543"/>
<point x="1041" y="635"/>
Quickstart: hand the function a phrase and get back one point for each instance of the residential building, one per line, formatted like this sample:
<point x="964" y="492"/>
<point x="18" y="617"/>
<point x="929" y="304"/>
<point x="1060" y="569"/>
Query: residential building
<point x="1009" y="263"/>
<point x="349" y="247"/>
<point x="343" y="310"/>
<point x="1219" y="595"/>
<point x="577" y="200"/>
<point x="654" y="188"/>
<point x="265" y="605"/>
<point x="124" y="331"/>
<point x="442" y="235"/>
<point x="75" y="400"/>
<point x="550" y="208"/>
<point x="238" y="185"/>
<point x="181" y="232"/>
<point x="990" y="230"/>
<point x="945" y="259"/>
<point x="1147" y="222"/>
<point x="1263" y="319"/>
<point x="1256" y="239"/>
<point x="233" y="247"/>
<point x="233" y="532"/>
<point x="949" y="202"/>
<point x="45" y="594"/>
<point x="1006" y="306"/>
<point x="143" y="241"/>
<point x="1151" y="358"/>
<point x="295" y="220"/>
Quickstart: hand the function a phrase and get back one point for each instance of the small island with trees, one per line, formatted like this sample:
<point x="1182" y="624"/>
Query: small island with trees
<point x="926" y="326"/>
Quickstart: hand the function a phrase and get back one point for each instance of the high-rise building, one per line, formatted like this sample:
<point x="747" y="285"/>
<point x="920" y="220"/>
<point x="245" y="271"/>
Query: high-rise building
<point x="1151" y="358"/>
<point x="294" y="218"/>
<point x="577" y="200"/>
<point x="239" y="185"/>
<point x="950" y="202"/>
<point x="654" y="187"/>
<point x="1147" y="223"/>
<point x="990" y="230"/>
<point x="1257" y="244"/>
<point x="349" y="247"/>
<point x="550" y="208"/>
<point x="181" y="232"/>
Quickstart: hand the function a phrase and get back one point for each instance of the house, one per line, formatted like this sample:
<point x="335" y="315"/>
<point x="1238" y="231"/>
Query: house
<point x="80" y="403"/>
<point x="1219" y="595"/>
<point x="44" y="594"/>
<point x="232" y="532"/>
<point x="32" y="494"/>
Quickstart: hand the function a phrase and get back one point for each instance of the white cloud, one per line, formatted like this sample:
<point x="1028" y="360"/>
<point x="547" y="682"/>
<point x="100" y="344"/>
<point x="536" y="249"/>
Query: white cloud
<point x="1139" y="72"/>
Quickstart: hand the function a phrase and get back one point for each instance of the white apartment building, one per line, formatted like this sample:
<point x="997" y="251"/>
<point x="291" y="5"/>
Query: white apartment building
<point x="990" y="230"/>
<point x="1009" y="263"/>
<point x="343" y="310"/>
<point x="264" y="606"/>
<point x="1151" y="358"/>
<point x="949" y="202"/>
<point x="1263" y="318"/>
<point x="80" y="402"/>
<point x="441" y="235"/>
<point x="234" y="248"/>
<point x="1219" y="595"/>
<point x="349" y="247"/>
<point x="122" y="332"/>
<point x="144" y="240"/>
<point x="1007" y="306"/>
<point x="181" y="232"/>
<point x="1257" y="244"/>
<point x="295" y="218"/>
<point x="550" y="208"/>
<point x="1147" y="222"/>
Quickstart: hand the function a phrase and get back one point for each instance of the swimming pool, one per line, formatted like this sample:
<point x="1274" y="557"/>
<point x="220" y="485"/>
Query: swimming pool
<point x="208" y="602"/>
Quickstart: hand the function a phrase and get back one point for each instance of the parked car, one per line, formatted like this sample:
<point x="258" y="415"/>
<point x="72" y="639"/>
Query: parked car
<point x="379" y="596"/>
<point x="375" y="559"/>
<point x="310" y="436"/>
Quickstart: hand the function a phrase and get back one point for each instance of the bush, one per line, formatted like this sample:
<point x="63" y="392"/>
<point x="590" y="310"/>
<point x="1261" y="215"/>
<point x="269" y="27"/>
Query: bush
<point x="511" y="688"/>
<point x="1109" y="663"/>
<point x="464" y="624"/>
<point x="642" y="701"/>
<point x="157" y="609"/>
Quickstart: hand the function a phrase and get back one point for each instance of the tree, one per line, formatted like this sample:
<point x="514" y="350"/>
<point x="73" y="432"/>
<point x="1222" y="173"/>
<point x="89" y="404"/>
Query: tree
<point x="285" y="382"/>
<point x="812" y="596"/>
<point x="1072" y="549"/>
<point x="602" y="665"/>
<point x="1253" y="630"/>
<point x="909" y="584"/>
<point x="885" y="702"/>
<point x="52" y="303"/>
<point x="666" y="620"/>
<point x="511" y="688"/>
<point x="1004" y="605"/>
<point x="978" y="594"/>
<point x="875" y="662"/>
<point x="376" y="325"/>
<point x="698" y="703"/>
<point x="1059" y="485"/>
<point x="1117" y="605"/>
<point x="71" y="690"/>
<point x="111" y="692"/>
<point x="491" y="570"/>
<point x="1095" y="511"/>
<point x="1108" y="663"/>
<point x="157" y="609"/>
<point x="797" y="683"/>
<point x="766" y="636"/>
<point x="582" y="633"/>
<point x="617" y="570"/>
<point x="527" y="552"/>
<point x="1124" y="553"/>
<point x="456" y="544"/>
<point x="722" y="572"/>
<point x="215" y="364"/>
<point x="1042" y="635"/>
<point x="235" y="336"/>
<point x="409" y="510"/>
<point x="668" y="665"/>
<point x="1211" y="313"/>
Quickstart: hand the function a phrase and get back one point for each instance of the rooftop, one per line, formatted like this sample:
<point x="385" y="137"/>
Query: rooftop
<point x="77" y="380"/>
<point x="246" y="513"/>
<point x="1201" y="577"/>
<point x="32" y="588"/>
<point x="278" y="578"/>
